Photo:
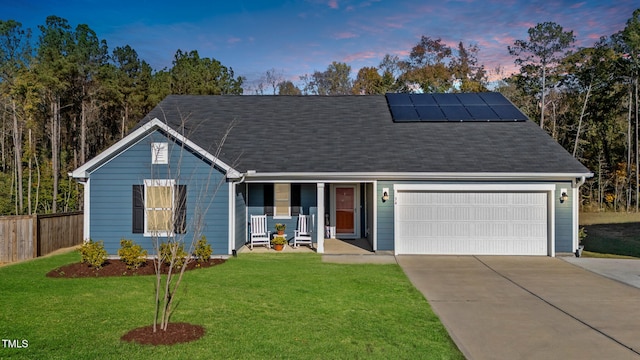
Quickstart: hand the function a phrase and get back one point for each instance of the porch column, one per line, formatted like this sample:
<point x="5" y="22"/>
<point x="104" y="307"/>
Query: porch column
<point x="320" y="221"/>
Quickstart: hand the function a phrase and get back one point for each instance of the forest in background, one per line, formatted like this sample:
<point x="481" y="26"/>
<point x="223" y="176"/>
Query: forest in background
<point x="65" y="97"/>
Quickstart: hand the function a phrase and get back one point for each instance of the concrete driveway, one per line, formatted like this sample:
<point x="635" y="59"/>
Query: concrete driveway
<point x="507" y="307"/>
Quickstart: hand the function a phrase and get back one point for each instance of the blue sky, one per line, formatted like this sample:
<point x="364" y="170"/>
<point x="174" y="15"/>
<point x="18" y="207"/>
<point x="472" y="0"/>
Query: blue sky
<point x="297" y="37"/>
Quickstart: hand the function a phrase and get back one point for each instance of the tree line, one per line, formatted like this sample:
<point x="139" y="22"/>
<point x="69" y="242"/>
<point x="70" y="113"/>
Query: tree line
<point x="65" y="96"/>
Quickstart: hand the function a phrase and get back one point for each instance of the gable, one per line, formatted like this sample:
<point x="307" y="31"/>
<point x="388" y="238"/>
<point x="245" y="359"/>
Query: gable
<point x="162" y="133"/>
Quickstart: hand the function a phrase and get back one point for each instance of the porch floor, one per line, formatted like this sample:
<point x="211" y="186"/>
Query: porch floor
<point x="331" y="247"/>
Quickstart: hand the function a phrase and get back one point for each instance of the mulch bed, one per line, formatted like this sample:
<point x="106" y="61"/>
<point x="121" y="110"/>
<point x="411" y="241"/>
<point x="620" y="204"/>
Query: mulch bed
<point x="119" y="268"/>
<point x="176" y="333"/>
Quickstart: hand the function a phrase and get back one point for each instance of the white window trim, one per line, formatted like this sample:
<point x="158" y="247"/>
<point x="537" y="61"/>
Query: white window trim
<point x="159" y="182"/>
<point x="275" y="208"/>
<point x="159" y="153"/>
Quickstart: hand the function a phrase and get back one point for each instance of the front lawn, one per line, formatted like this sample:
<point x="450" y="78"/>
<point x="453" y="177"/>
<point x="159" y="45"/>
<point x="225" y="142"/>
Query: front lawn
<point x="254" y="306"/>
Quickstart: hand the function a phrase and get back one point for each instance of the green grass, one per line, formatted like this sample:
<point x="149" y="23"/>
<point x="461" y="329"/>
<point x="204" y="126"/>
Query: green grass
<point x="254" y="306"/>
<point x="611" y="234"/>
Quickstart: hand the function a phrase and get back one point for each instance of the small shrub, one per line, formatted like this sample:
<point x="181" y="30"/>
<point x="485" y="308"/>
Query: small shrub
<point x="203" y="250"/>
<point x="165" y="253"/>
<point x="93" y="253"/>
<point x="132" y="254"/>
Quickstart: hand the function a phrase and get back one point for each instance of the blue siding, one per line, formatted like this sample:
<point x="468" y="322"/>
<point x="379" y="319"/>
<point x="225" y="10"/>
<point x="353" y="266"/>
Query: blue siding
<point x="241" y="216"/>
<point x="111" y="195"/>
<point x="564" y="218"/>
<point x="385" y="218"/>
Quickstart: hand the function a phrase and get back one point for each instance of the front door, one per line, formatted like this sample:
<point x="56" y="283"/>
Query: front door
<point x="345" y="214"/>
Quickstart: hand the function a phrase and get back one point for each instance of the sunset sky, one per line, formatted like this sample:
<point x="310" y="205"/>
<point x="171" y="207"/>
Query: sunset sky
<point x="298" y="37"/>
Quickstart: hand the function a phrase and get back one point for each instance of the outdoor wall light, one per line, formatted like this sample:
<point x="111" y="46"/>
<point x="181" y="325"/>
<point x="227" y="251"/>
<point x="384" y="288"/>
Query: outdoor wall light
<point x="385" y="194"/>
<point x="564" y="197"/>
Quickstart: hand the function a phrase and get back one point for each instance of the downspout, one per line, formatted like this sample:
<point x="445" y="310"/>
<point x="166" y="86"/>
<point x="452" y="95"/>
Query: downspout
<point x="575" y="217"/>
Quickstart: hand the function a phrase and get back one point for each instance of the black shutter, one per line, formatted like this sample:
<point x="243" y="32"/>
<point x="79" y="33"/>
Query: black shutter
<point x="180" y="221"/>
<point x="296" y="203"/>
<point x="137" y="225"/>
<point x="268" y="199"/>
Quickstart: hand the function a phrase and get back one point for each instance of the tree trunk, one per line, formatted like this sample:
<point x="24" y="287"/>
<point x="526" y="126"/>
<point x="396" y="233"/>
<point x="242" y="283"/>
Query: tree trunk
<point x="629" y="146"/>
<point x="83" y="134"/>
<point x="55" y="148"/>
<point x="636" y="148"/>
<point x="30" y="173"/>
<point x="584" y="107"/>
<point x="544" y="81"/>
<point x="17" y="151"/>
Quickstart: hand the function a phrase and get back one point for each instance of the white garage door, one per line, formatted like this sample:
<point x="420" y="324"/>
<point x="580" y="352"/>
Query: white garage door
<point x="471" y="223"/>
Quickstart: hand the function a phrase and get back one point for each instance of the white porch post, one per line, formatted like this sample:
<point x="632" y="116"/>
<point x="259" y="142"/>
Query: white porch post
<point x="320" y="222"/>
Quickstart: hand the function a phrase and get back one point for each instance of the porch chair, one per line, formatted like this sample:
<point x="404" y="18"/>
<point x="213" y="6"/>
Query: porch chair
<point x="302" y="235"/>
<point x="259" y="233"/>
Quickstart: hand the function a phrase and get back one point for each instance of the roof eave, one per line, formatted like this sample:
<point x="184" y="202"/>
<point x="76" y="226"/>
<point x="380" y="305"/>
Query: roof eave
<point x="252" y="176"/>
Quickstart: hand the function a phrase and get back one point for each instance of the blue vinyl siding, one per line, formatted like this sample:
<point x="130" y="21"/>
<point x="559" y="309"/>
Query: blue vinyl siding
<point x="564" y="218"/>
<point x="241" y="216"/>
<point x="385" y="217"/>
<point x="111" y="195"/>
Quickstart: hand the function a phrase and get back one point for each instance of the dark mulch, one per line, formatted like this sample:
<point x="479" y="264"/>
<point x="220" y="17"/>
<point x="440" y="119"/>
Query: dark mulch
<point x="119" y="268"/>
<point x="176" y="333"/>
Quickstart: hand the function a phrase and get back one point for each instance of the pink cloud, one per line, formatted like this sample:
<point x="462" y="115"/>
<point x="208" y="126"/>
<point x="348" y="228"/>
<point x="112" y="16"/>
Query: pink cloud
<point x="363" y="55"/>
<point x="333" y="4"/>
<point x="345" y="35"/>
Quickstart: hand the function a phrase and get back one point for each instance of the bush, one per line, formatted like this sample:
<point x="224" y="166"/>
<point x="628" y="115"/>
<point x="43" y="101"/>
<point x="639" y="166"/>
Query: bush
<point x="203" y="250"/>
<point x="93" y="253"/>
<point x="166" y="250"/>
<point x="132" y="254"/>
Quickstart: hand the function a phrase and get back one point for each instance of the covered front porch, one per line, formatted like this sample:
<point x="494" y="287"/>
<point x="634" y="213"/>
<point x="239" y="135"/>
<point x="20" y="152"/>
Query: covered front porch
<point x="342" y="213"/>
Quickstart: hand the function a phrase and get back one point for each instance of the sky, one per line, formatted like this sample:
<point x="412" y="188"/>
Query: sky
<point x="297" y="37"/>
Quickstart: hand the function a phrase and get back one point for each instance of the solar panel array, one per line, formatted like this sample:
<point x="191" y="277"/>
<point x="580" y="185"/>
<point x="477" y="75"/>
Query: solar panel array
<point x="488" y="106"/>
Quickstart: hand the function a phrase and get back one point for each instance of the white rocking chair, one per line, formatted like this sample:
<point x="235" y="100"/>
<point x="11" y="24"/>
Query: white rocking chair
<point x="302" y="235"/>
<point x="259" y="233"/>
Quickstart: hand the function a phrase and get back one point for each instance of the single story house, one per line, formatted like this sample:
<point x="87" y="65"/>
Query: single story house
<point x="411" y="173"/>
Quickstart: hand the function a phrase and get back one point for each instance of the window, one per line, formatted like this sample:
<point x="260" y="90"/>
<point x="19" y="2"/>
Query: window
<point x="159" y="208"/>
<point x="281" y="200"/>
<point x="159" y="153"/>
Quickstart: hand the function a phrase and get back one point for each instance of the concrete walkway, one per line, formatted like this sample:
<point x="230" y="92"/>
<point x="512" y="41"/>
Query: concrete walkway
<point x="503" y="307"/>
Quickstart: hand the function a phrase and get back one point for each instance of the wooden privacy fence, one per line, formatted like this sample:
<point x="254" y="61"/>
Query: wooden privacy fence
<point x="25" y="237"/>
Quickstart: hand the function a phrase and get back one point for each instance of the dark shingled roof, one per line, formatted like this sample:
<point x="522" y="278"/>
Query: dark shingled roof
<point x="355" y="134"/>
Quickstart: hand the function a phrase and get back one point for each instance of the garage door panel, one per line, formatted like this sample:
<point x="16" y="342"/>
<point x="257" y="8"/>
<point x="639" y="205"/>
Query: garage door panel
<point x="483" y="223"/>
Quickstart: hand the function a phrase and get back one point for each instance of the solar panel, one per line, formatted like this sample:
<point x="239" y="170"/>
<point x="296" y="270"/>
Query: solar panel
<point x="430" y="113"/>
<point x="493" y="98"/>
<point x="423" y="99"/>
<point x="452" y="107"/>
<point x="398" y="99"/>
<point x="404" y="113"/>
<point x="508" y="113"/>
<point x="470" y="99"/>
<point x="446" y="99"/>
<point x="456" y="113"/>
<point x="482" y="113"/>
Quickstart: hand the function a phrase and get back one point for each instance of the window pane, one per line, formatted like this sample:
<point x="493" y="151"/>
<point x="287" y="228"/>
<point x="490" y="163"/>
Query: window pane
<point x="159" y="197"/>
<point x="159" y="220"/>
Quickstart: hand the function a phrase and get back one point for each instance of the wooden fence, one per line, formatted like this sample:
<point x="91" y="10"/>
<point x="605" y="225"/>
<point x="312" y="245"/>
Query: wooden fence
<point x="26" y="237"/>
